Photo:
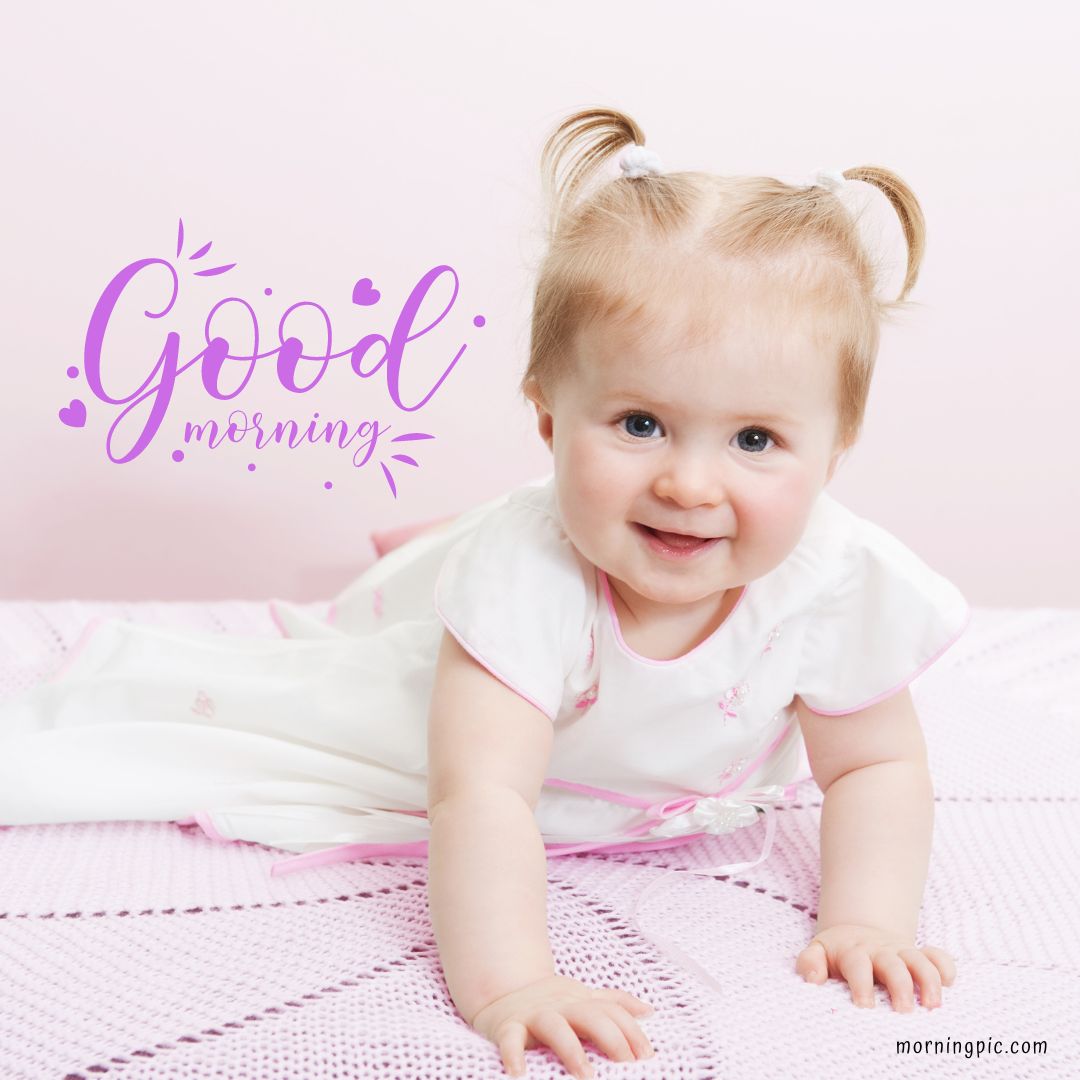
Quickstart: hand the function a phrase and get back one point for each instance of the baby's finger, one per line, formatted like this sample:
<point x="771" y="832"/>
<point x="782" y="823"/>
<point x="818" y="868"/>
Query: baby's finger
<point x="554" y="1030"/>
<point x="943" y="962"/>
<point x="858" y="971"/>
<point x="813" y="963"/>
<point x="633" y="1005"/>
<point x="511" y="1043"/>
<point x="635" y="1038"/>
<point x="592" y="1020"/>
<point x="892" y="972"/>
<point x="926" y="975"/>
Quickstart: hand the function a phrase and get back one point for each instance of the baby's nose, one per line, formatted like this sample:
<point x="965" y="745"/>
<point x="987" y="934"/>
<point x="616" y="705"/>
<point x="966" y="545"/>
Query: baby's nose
<point x="691" y="482"/>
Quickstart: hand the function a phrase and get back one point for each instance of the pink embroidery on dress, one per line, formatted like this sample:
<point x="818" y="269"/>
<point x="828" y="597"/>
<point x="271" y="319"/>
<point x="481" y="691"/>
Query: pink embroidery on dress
<point x="377" y="598"/>
<point x="592" y="646"/>
<point x="774" y="633"/>
<point x="588" y="698"/>
<point x="204" y="705"/>
<point x="730" y="771"/>
<point x="732" y="699"/>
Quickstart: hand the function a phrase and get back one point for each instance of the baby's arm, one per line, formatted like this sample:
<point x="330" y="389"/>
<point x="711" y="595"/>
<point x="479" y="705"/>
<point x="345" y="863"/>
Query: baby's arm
<point x="488" y="751"/>
<point x="876" y="826"/>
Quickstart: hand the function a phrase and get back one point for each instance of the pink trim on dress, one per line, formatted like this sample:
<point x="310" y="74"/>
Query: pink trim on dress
<point x="205" y="822"/>
<point x="614" y="618"/>
<point x="480" y="660"/>
<point x="80" y="644"/>
<point x="900" y="685"/>
<point x="277" y="619"/>
<point x="419" y="849"/>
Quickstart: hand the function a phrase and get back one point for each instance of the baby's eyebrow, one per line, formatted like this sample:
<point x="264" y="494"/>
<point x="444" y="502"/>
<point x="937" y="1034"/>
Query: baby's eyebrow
<point x="635" y="400"/>
<point x="772" y="418"/>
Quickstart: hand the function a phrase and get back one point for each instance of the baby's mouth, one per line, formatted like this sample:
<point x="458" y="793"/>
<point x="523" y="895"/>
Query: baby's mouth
<point x="675" y="540"/>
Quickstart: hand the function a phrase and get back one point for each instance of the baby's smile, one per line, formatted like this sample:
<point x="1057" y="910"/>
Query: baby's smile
<point x="672" y="545"/>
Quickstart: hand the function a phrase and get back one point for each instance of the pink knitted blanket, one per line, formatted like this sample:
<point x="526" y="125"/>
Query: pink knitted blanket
<point x="142" y="949"/>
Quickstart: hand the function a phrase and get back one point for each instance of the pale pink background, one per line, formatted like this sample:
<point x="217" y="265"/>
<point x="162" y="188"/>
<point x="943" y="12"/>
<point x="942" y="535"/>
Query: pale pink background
<point x="318" y="143"/>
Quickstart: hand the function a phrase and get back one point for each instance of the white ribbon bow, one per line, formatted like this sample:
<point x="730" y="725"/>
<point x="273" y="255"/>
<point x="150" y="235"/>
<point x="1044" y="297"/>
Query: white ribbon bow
<point x="637" y="161"/>
<point x="833" y="179"/>
<point x="716" y="814"/>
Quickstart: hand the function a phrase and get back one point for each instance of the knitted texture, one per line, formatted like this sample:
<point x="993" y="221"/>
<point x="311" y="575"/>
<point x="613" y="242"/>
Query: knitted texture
<point x="145" y="949"/>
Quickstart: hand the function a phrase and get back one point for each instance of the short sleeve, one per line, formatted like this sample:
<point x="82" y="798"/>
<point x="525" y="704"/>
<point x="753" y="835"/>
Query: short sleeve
<point x="513" y="593"/>
<point x="885" y="619"/>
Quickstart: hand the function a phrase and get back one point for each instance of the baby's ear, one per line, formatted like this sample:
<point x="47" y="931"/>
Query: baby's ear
<point x="532" y="392"/>
<point x="544" y="422"/>
<point x="545" y="425"/>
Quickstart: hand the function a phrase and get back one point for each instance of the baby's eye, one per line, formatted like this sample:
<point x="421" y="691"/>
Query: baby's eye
<point x="639" y="424"/>
<point x="757" y="444"/>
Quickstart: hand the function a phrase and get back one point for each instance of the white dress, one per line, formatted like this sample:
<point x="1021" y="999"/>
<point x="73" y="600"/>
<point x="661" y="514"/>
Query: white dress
<point x="316" y="743"/>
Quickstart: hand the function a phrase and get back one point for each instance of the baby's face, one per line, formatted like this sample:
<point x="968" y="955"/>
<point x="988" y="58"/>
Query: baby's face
<point x="733" y="438"/>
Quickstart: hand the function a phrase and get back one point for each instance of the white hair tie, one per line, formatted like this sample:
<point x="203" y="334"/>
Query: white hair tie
<point x="637" y="161"/>
<point x="833" y="179"/>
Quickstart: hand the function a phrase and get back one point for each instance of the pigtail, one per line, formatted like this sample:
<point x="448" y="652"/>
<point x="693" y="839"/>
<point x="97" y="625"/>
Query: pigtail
<point x="578" y="149"/>
<point x="909" y="212"/>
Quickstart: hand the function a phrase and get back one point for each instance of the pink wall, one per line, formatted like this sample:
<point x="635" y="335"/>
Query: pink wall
<point x="317" y="144"/>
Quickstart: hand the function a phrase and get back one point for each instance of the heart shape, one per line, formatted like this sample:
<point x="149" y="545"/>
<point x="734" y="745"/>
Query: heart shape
<point x="364" y="294"/>
<point x="74" y="415"/>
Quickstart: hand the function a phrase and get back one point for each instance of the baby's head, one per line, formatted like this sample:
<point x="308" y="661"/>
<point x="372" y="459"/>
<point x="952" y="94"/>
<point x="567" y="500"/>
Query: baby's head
<point x="702" y="350"/>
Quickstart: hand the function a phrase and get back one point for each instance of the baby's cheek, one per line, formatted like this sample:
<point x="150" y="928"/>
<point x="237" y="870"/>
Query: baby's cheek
<point x="597" y="479"/>
<point x="778" y="513"/>
<point x="589" y="484"/>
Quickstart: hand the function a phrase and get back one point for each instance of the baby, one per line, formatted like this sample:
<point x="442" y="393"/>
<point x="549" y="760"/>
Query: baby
<point x="701" y="355"/>
<point x="651" y="645"/>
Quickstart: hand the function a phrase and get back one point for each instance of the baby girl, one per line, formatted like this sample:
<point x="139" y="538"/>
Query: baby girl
<point x="701" y="355"/>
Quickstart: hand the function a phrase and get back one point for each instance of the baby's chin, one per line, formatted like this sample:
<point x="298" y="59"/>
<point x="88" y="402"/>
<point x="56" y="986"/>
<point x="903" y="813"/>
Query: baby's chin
<point x="682" y="598"/>
<point x="673" y="593"/>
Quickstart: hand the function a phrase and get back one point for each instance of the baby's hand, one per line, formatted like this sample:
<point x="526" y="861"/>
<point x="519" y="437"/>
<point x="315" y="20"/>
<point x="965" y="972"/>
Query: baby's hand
<point x="554" y="1011"/>
<point x="859" y="953"/>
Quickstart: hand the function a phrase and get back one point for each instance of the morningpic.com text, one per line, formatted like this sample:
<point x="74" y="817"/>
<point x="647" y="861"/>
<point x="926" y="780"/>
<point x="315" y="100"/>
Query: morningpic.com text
<point x="969" y="1047"/>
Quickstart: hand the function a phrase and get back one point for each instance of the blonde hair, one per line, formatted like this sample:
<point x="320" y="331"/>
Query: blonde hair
<point x="615" y="253"/>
